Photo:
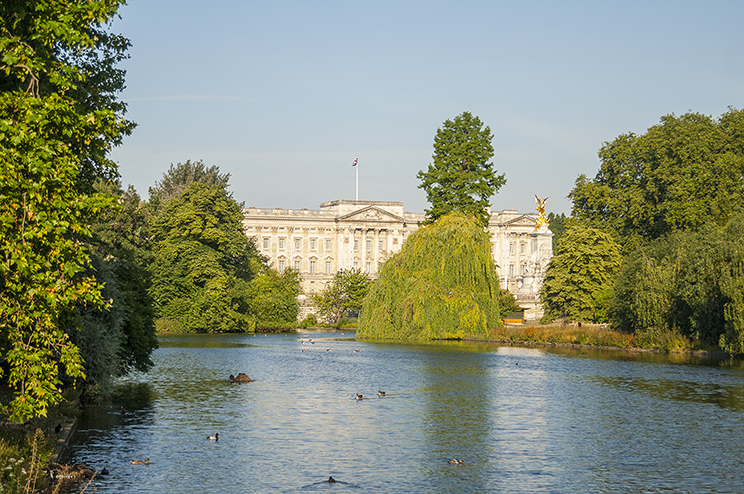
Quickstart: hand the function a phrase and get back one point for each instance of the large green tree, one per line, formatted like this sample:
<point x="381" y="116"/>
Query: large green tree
<point x="179" y="177"/>
<point x="202" y="259"/>
<point x="558" y="225"/>
<point x="59" y="118"/>
<point x="580" y="277"/>
<point x="344" y="295"/>
<point x="272" y="297"/>
<point x="461" y="177"/>
<point x="121" y="246"/>
<point x="679" y="175"/>
<point x="442" y="284"/>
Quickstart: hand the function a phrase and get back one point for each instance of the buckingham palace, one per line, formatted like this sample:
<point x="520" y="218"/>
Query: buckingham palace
<point x="346" y="234"/>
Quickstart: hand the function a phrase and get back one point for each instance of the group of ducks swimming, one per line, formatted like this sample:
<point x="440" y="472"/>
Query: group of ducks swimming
<point x="380" y="394"/>
<point x="302" y="342"/>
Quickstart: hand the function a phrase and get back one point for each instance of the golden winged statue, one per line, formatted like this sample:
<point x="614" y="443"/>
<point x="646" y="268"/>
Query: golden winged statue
<point x="542" y="220"/>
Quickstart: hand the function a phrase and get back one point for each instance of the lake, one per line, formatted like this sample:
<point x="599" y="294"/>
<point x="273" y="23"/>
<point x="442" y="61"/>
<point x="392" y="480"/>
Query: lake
<point x="543" y="420"/>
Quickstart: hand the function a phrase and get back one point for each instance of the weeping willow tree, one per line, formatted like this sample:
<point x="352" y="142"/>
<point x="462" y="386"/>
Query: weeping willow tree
<point x="441" y="285"/>
<point x="732" y="288"/>
<point x="691" y="283"/>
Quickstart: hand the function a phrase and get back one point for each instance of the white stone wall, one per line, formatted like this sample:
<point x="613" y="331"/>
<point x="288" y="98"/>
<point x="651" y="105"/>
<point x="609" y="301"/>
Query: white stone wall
<point x="363" y="234"/>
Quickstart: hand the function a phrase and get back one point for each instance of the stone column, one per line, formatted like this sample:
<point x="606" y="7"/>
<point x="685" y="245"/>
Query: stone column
<point x="351" y="248"/>
<point x="363" y="251"/>
<point x="376" y="250"/>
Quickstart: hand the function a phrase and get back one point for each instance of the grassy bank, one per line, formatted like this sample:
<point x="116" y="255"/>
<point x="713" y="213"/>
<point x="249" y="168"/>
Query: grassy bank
<point x="597" y="335"/>
<point x="25" y="449"/>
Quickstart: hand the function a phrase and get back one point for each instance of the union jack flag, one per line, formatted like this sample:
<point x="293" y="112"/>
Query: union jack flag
<point x="355" y="161"/>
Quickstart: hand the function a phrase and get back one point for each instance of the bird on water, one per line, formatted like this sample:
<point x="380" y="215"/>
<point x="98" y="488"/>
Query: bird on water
<point x="359" y="397"/>
<point x="331" y="480"/>
<point x="216" y="437"/>
<point x="380" y="393"/>
<point x="140" y="462"/>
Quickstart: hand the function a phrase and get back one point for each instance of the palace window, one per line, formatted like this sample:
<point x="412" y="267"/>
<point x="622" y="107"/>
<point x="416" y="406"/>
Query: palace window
<point x="297" y="244"/>
<point x="266" y="242"/>
<point x="281" y="266"/>
<point x="356" y="244"/>
<point x="381" y="245"/>
<point x="368" y="267"/>
<point x="521" y="248"/>
<point x="328" y="245"/>
<point x="511" y="247"/>
<point x="312" y="267"/>
<point x="328" y="267"/>
<point x="312" y="244"/>
<point x="297" y="265"/>
<point x="356" y="265"/>
<point x="369" y="245"/>
<point x="511" y="269"/>
<point x="281" y="243"/>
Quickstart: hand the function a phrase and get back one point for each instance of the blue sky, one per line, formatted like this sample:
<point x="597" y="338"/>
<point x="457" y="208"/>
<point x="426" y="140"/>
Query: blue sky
<point x="284" y="94"/>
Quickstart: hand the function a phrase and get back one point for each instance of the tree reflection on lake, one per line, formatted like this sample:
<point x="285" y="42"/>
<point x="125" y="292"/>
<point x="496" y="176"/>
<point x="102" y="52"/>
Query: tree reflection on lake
<point x="522" y="419"/>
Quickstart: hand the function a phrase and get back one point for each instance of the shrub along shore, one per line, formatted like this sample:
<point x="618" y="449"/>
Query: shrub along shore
<point x="597" y="336"/>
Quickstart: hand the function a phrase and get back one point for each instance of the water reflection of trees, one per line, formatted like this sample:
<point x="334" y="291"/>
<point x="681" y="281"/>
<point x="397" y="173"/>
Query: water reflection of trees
<point x="725" y="396"/>
<point x="458" y="410"/>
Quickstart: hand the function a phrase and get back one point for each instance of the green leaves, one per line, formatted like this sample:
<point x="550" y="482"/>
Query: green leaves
<point x="442" y="284"/>
<point x="689" y="282"/>
<point x="344" y="295"/>
<point x="204" y="265"/>
<point x="51" y="143"/>
<point x="461" y="177"/>
<point x="580" y="274"/>
<point x="683" y="173"/>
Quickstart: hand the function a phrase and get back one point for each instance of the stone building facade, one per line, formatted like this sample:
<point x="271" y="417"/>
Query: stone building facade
<point x="347" y="234"/>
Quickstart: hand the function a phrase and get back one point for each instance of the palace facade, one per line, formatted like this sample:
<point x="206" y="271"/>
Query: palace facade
<point x="347" y="234"/>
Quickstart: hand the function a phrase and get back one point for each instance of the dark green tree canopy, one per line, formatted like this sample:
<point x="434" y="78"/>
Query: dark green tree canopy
<point x="557" y="224"/>
<point x="461" y="177"/>
<point x="683" y="173"/>
<point x="201" y="254"/>
<point x="122" y="248"/>
<point x="271" y="298"/>
<point x="691" y="283"/>
<point x="178" y="178"/>
<point x="581" y="275"/>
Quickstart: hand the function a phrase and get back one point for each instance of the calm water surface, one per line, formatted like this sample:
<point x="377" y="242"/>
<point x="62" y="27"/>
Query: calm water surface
<point x="523" y="420"/>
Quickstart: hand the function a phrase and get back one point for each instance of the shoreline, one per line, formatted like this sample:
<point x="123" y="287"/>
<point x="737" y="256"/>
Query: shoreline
<point x="525" y="343"/>
<point x="63" y="439"/>
<point x="696" y="353"/>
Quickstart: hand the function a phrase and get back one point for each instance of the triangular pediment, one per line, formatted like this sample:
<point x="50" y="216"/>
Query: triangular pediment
<point x="371" y="214"/>
<point x="524" y="220"/>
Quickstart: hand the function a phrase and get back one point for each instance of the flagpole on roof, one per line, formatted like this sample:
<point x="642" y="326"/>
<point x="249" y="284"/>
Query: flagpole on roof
<point x="356" y="165"/>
